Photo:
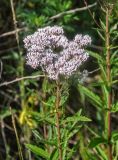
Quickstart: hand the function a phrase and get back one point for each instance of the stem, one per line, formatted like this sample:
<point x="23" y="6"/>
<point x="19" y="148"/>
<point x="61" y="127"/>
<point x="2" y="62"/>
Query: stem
<point x="57" y="120"/>
<point x="44" y="112"/>
<point x="16" y="134"/>
<point x="4" y="139"/>
<point x="109" y="84"/>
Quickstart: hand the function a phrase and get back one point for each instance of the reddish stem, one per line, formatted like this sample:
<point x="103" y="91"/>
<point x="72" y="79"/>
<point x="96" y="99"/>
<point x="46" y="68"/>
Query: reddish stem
<point x="109" y="84"/>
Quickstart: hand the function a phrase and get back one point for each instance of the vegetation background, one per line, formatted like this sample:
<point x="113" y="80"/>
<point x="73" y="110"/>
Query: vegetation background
<point x="88" y="114"/>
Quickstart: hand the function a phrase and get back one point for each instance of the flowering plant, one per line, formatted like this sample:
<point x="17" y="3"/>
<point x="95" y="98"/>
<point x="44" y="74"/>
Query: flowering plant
<point x="50" y="49"/>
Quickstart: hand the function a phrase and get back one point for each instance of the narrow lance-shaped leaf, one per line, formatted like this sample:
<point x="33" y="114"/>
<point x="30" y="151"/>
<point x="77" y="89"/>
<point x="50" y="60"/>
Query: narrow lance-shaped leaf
<point x="92" y="96"/>
<point x="100" y="34"/>
<point x="96" y="141"/>
<point x="38" y="151"/>
<point x="96" y="55"/>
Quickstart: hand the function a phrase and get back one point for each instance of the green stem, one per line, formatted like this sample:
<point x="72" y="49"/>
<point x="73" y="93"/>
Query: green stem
<point x="45" y="81"/>
<point x="57" y="119"/>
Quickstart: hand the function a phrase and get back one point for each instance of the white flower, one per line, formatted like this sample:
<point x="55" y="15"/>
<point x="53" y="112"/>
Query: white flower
<point x="50" y="49"/>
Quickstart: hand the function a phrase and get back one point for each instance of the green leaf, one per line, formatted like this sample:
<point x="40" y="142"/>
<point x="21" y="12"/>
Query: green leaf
<point x="92" y="96"/>
<point x="103" y="25"/>
<point x="63" y="100"/>
<point x="54" y="154"/>
<point x="43" y="118"/>
<point x="72" y="151"/>
<point x="74" y="132"/>
<point x="51" y="101"/>
<point x="38" y="151"/>
<point x="96" y="55"/>
<point x="67" y="4"/>
<point x="96" y="141"/>
<point x="113" y="28"/>
<point x="103" y="73"/>
<point x="101" y="35"/>
<point x="84" y="119"/>
<point x="77" y="119"/>
<point x="114" y="107"/>
<point x="114" y="136"/>
<point x="65" y="142"/>
<point x="101" y="153"/>
<point x="51" y="142"/>
<point x="105" y="93"/>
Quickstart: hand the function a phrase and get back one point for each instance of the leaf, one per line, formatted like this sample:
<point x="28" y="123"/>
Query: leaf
<point x="54" y="154"/>
<point x="101" y="153"/>
<point x="72" y="151"/>
<point x="114" y="136"/>
<point x="65" y="142"/>
<point x="114" y="107"/>
<point x="77" y="119"/>
<point x="83" y="150"/>
<point x="63" y="100"/>
<point x="105" y="93"/>
<point x="103" y="25"/>
<point x="38" y="151"/>
<point x="67" y="5"/>
<point x="51" y="101"/>
<point x="74" y="132"/>
<point x="96" y="141"/>
<point x="100" y="34"/>
<point x="92" y="96"/>
<point x="103" y="73"/>
<point x="44" y="85"/>
<point x="43" y="118"/>
<point x="96" y="55"/>
<point x="83" y="119"/>
<point x="51" y="142"/>
<point x="113" y="28"/>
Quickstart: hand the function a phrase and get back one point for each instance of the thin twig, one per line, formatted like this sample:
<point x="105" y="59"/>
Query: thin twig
<point x="57" y="120"/>
<point x="95" y="70"/>
<point x="73" y="11"/>
<point x="22" y="91"/>
<point x="4" y="137"/>
<point x="15" y="24"/>
<point x="109" y="84"/>
<point x="91" y="14"/>
<point x="97" y="47"/>
<point x="9" y="97"/>
<point x="8" y="127"/>
<point x="16" y="134"/>
<point x="20" y="79"/>
<point x="12" y="32"/>
<point x="31" y="77"/>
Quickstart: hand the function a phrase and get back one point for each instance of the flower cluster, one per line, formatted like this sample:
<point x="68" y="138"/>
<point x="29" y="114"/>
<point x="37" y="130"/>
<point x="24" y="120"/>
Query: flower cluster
<point x="49" y="49"/>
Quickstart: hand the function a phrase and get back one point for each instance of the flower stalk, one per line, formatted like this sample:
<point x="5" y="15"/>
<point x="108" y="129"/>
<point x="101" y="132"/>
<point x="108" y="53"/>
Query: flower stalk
<point x="109" y="84"/>
<point x="57" y="119"/>
<point x="44" y="112"/>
